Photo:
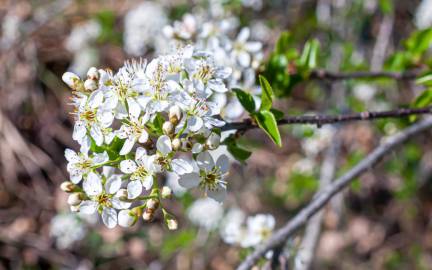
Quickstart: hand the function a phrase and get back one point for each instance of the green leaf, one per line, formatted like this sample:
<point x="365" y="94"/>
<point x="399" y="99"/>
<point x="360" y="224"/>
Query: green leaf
<point x="283" y="43"/>
<point x="245" y="99"/>
<point x="425" y="79"/>
<point x="267" y="121"/>
<point x="309" y="58"/>
<point x="238" y="152"/>
<point x="267" y="94"/>
<point x="277" y="114"/>
<point x="419" y="41"/>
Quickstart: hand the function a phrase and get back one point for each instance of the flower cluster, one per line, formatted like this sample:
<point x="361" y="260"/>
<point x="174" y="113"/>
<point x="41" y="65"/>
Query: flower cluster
<point x="217" y="33"/>
<point x="145" y="120"/>
<point x="256" y="230"/>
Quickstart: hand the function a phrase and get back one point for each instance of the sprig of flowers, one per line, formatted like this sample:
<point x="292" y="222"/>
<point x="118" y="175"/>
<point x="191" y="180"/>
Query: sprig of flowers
<point x="138" y="123"/>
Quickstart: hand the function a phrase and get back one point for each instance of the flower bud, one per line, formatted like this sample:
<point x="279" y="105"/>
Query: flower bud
<point x="213" y="141"/>
<point x="93" y="74"/>
<point x="74" y="199"/>
<point x="67" y="186"/>
<point x="148" y="215"/>
<point x="72" y="80"/>
<point x="166" y="192"/>
<point x="122" y="194"/>
<point x="90" y="85"/>
<point x="127" y="218"/>
<point x="168" y="128"/>
<point x="175" y="114"/>
<point x="176" y="144"/>
<point x="172" y="224"/>
<point x="197" y="148"/>
<point x="152" y="204"/>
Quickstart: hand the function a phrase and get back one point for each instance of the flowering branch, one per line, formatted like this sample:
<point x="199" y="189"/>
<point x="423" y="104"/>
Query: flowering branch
<point x="320" y="120"/>
<point x="336" y="76"/>
<point x="280" y="236"/>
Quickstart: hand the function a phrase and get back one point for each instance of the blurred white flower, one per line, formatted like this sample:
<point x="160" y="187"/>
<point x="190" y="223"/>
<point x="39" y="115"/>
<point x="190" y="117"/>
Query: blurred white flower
<point x="82" y="35"/>
<point x="259" y="228"/>
<point x="423" y="15"/>
<point x="67" y="229"/>
<point x="364" y="92"/>
<point x="205" y="213"/>
<point x="142" y="27"/>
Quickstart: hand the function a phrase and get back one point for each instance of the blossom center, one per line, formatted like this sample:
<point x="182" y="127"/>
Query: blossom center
<point x="140" y="173"/>
<point x="104" y="200"/>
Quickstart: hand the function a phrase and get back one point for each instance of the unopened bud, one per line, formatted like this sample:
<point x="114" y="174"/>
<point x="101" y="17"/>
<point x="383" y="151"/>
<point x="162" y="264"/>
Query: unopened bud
<point x="122" y="194"/>
<point x="72" y="80"/>
<point x="166" y="192"/>
<point x="93" y="74"/>
<point x="152" y="204"/>
<point x="172" y="224"/>
<point x="148" y="215"/>
<point x="90" y="85"/>
<point x="197" y="148"/>
<point x="213" y="141"/>
<point x="168" y="128"/>
<point x="175" y="114"/>
<point x="127" y="218"/>
<point x="67" y="186"/>
<point x="176" y="144"/>
<point x="74" y="198"/>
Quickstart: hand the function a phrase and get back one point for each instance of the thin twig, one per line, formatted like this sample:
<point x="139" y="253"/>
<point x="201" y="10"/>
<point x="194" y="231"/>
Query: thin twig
<point x="335" y="76"/>
<point x="320" y="120"/>
<point x="281" y="235"/>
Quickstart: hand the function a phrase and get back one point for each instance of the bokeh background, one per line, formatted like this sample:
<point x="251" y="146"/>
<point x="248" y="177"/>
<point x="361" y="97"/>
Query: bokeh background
<point x="382" y="222"/>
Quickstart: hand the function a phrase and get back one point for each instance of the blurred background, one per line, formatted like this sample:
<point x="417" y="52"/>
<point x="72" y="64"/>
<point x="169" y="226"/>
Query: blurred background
<point x="382" y="222"/>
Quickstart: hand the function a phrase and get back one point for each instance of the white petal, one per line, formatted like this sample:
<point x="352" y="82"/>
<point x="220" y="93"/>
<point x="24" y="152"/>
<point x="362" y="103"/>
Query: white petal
<point x="147" y="182"/>
<point x="134" y="108"/>
<point x="223" y="163"/>
<point x="105" y="118"/>
<point x="189" y="180"/>
<point x="128" y="166"/>
<point x="253" y="46"/>
<point x="181" y="166"/>
<point x="111" y="100"/>
<point x="109" y="217"/>
<point x="117" y="204"/>
<point x="75" y="177"/>
<point x="134" y="189"/>
<point x="100" y="158"/>
<point x="113" y="184"/>
<point x="96" y="134"/>
<point x="85" y="144"/>
<point x="195" y="123"/>
<point x="217" y="85"/>
<point x="95" y="99"/>
<point x="205" y="161"/>
<point x="163" y="145"/>
<point x="88" y="207"/>
<point x="140" y="152"/>
<point x="218" y="194"/>
<point x="243" y="58"/>
<point x="243" y="35"/>
<point x="127" y="146"/>
<point x="71" y="156"/>
<point x="93" y="184"/>
<point x="144" y="137"/>
<point x="79" y="131"/>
